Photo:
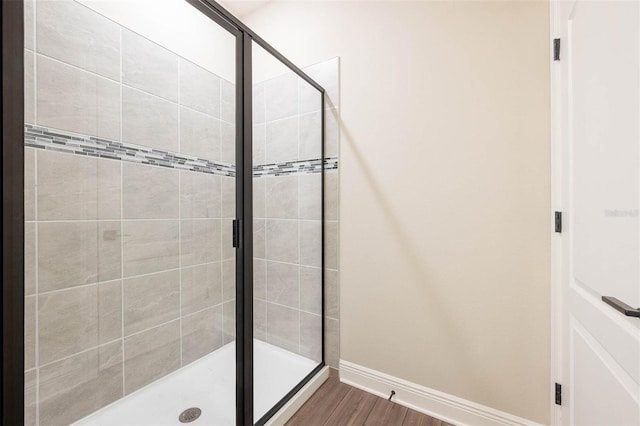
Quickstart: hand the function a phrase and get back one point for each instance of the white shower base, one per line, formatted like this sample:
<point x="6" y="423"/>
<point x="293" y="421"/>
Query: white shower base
<point x="209" y="384"/>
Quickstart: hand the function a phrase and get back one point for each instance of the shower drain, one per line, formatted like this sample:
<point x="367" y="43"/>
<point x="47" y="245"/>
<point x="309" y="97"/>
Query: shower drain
<point x="189" y="415"/>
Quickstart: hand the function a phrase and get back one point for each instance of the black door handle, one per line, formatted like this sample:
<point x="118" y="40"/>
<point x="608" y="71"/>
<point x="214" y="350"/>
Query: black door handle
<point x="621" y="306"/>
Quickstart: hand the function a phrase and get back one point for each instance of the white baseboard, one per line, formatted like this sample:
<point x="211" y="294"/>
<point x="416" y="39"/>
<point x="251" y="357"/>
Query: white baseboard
<point x="289" y="409"/>
<point x="434" y="403"/>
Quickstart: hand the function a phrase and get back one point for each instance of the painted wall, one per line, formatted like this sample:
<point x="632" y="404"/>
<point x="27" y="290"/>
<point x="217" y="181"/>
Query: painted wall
<point x="444" y="188"/>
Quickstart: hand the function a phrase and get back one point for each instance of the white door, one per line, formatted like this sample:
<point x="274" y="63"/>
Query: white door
<point x="596" y="92"/>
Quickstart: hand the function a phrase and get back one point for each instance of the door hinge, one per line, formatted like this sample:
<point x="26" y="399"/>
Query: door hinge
<point x="558" y="394"/>
<point x="556" y="49"/>
<point x="236" y="233"/>
<point x="558" y="226"/>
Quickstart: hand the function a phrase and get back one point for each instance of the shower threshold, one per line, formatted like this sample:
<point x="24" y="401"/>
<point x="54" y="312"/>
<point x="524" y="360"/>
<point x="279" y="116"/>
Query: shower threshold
<point x="208" y="384"/>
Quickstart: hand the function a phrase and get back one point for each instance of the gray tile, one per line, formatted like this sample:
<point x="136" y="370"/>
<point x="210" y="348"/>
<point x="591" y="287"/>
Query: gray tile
<point x="311" y="243"/>
<point x="30" y="407"/>
<point x="331" y="294"/>
<point x="148" y="66"/>
<point x="109" y="189"/>
<point x="199" y="88"/>
<point x="76" y="187"/>
<point x="67" y="254"/>
<point x="69" y="321"/>
<point x="109" y="250"/>
<point x="201" y="334"/>
<point x="331" y="134"/>
<point x="29" y="259"/>
<point x="29" y="184"/>
<point x="311" y="196"/>
<point x="282" y="141"/>
<point x="228" y="197"/>
<point x="29" y="89"/>
<point x="150" y="246"/>
<point x="29" y="23"/>
<point x="109" y="311"/>
<point x="200" y="241"/>
<point x="199" y="134"/>
<point x="310" y="98"/>
<point x="74" y="100"/>
<point x="229" y="321"/>
<point x="283" y="327"/>
<point x="327" y="75"/>
<point x="282" y="240"/>
<point x="201" y="287"/>
<point x="148" y="120"/>
<point x="73" y="33"/>
<point x="259" y="278"/>
<point x="310" y="138"/>
<point x="259" y="110"/>
<point x="283" y="284"/>
<point x="260" y="320"/>
<point x="331" y="245"/>
<point x="331" y="195"/>
<point x="227" y="143"/>
<point x="228" y="101"/>
<point x="259" y="144"/>
<point x="151" y="355"/>
<point x="77" y="253"/>
<point x="259" y="201"/>
<point x="228" y="280"/>
<point x="281" y="97"/>
<point x="200" y="195"/>
<point x="332" y="342"/>
<point x="259" y="242"/>
<point x="311" y="289"/>
<point x="311" y="336"/>
<point x="75" y="387"/>
<point x="149" y="192"/>
<point x="150" y="300"/>
<point x="67" y="186"/>
<point x="282" y="197"/>
<point x="29" y="332"/>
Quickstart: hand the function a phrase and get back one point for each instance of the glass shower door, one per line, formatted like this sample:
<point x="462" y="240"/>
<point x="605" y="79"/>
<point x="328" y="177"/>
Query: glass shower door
<point x="129" y="198"/>
<point x="287" y="210"/>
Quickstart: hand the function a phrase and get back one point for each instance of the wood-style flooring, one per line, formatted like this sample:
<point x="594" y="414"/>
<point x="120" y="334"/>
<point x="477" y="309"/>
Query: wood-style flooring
<point x="337" y="404"/>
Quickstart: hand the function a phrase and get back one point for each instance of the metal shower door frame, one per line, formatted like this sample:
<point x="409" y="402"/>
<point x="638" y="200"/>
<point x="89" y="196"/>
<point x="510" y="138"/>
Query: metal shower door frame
<point x="12" y="372"/>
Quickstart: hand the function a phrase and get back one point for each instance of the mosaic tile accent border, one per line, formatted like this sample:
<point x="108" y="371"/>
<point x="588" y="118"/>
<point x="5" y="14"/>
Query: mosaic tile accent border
<point x="296" y="167"/>
<point x="74" y="143"/>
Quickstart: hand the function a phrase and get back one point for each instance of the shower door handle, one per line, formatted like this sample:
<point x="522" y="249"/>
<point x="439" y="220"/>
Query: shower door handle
<point x="236" y="233"/>
<point x="621" y="306"/>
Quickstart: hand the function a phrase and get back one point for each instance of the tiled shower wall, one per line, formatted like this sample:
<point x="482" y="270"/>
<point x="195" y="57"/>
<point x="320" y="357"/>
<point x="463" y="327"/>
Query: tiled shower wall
<point x="287" y="211"/>
<point x="129" y="267"/>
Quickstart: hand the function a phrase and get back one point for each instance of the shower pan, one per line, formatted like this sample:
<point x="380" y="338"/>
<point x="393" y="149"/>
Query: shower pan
<point x="172" y="208"/>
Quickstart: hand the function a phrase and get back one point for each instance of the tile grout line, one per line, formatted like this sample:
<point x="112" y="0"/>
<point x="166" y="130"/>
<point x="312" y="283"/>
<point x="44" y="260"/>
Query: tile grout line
<point x="298" y="217"/>
<point x="219" y="184"/>
<point x="37" y="252"/>
<point x="37" y="290"/>
<point x="163" y="271"/>
<point x="180" y="218"/>
<point x="266" y="239"/>
<point x="122" y="300"/>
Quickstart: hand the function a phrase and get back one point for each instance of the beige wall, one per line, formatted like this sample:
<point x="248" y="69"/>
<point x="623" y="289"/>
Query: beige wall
<point x="445" y="188"/>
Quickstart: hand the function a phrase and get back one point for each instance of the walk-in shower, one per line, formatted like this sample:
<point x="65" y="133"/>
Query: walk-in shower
<point x="173" y="217"/>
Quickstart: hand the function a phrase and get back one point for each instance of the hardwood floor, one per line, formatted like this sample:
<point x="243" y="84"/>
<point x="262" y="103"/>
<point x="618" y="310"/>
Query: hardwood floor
<point x="337" y="404"/>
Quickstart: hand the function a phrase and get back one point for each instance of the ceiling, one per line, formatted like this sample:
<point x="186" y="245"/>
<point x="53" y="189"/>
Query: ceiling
<point x="242" y="8"/>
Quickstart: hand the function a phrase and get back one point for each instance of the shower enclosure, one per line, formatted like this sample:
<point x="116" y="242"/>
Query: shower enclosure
<point x="172" y="219"/>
